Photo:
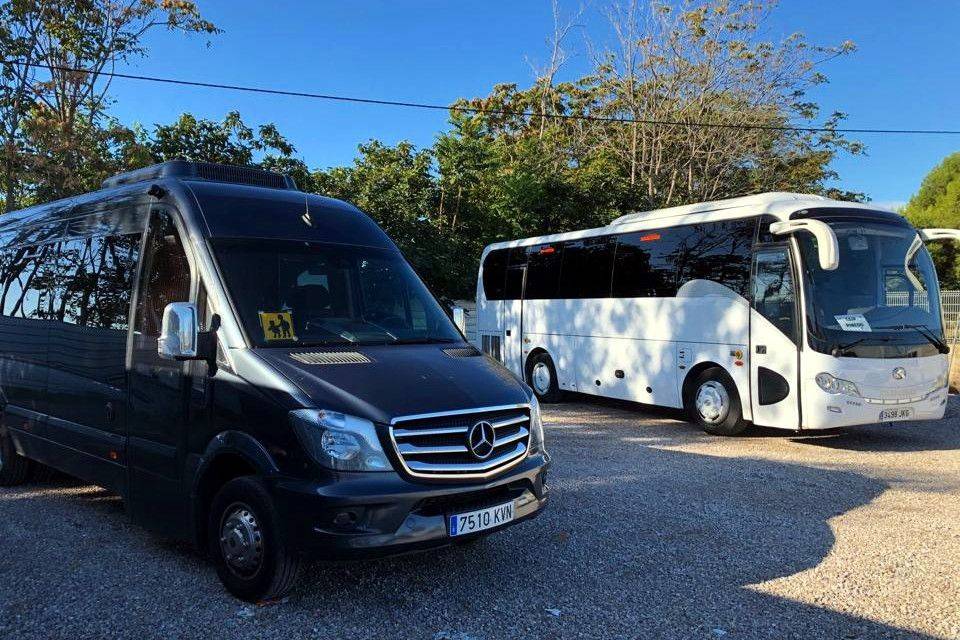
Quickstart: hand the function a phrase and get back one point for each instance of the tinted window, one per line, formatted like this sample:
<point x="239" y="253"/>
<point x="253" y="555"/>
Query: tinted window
<point x="587" y="267"/>
<point x="495" y="273"/>
<point x="516" y="268"/>
<point x="543" y="271"/>
<point x="645" y="264"/>
<point x="95" y="280"/>
<point x="716" y="251"/>
<point x="167" y="275"/>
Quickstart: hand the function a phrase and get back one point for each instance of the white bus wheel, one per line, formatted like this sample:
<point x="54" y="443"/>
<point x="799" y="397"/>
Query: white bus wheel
<point x="542" y="377"/>
<point x="713" y="403"/>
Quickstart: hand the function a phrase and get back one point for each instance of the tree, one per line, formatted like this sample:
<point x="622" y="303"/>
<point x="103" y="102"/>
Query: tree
<point x="56" y="135"/>
<point x="937" y="204"/>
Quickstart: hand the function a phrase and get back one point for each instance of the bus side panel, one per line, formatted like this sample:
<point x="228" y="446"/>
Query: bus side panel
<point x="632" y="344"/>
<point x="546" y="326"/>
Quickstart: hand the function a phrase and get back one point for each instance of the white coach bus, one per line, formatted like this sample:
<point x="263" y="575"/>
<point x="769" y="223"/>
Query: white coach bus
<point x="782" y="310"/>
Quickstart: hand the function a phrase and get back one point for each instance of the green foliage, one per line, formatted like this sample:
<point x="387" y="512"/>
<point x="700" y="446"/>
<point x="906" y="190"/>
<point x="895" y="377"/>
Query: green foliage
<point x="937" y="205"/>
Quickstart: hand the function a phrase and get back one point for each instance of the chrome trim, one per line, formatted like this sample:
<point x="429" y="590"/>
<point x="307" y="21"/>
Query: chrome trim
<point x="519" y="435"/>
<point x="480" y="466"/>
<point x="483" y="470"/>
<point x="412" y="449"/>
<point x="509" y="421"/>
<point x="458" y="412"/>
<point x="412" y="433"/>
<point x="899" y="401"/>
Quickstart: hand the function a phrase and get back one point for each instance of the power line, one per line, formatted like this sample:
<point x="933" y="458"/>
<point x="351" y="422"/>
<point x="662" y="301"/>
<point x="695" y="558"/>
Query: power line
<point x="483" y="110"/>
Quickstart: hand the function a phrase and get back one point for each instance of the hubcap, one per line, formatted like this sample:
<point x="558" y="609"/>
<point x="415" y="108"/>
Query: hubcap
<point x="241" y="541"/>
<point x="541" y="378"/>
<point x="713" y="402"/>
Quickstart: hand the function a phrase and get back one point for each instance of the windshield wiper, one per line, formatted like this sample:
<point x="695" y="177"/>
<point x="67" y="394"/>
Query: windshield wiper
<point x="422" y="341"/>
<point x="923" y="330"/>
<point x="841" y="349"/>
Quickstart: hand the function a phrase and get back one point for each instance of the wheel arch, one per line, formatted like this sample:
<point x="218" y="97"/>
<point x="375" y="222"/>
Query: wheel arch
<point x="229" y="455"/>
<point x="526" y="361"/>
<point x="691" y="377"/>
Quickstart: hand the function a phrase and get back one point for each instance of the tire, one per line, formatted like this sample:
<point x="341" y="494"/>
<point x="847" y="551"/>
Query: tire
<point x="264" y="568"/>
<point x="14" y="468"/>
<point x="542" y="378"/>
<point x="713" y="403"/>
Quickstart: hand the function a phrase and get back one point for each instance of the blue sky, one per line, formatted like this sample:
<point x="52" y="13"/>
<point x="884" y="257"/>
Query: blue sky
<point x="905" y="73"/>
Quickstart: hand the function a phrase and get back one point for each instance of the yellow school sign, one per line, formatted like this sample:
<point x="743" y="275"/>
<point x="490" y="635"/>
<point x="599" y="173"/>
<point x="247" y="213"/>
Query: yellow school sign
<point x="277" y="326"/>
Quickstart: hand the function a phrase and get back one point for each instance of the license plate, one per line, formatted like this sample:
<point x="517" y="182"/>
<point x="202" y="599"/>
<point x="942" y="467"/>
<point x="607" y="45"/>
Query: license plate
<point x="888" y="415"/>
<point x="481" y="519"/>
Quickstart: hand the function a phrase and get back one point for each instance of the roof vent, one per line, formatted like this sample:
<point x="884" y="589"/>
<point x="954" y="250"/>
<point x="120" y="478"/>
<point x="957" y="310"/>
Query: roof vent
<point x="330" y="357"/>
<point x="204" y="171"/>
<point x="461" y="352"/>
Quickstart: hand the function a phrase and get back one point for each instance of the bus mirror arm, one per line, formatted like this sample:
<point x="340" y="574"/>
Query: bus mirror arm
<point x="828" y="249"/>
<point x="930" y="235"/>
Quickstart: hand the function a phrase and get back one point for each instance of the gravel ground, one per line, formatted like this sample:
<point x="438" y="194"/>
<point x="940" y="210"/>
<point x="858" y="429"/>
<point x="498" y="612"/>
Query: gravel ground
<point x="655" y="530"/>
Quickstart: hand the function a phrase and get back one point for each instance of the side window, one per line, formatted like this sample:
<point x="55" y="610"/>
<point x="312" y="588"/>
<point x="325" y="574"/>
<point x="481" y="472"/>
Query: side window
<point x="773" y="291"/>
<point x="38" y="286"/>
<point x="645" y="264"/>
<point x="166" y="275"/>
<point x="20" y="268"/>
<point x="587" y="268"/>
<point x="516" y="267"/>
<point x="543" y="271"/>
<point x="720" y="252"/>
<point x="495" y="273"/>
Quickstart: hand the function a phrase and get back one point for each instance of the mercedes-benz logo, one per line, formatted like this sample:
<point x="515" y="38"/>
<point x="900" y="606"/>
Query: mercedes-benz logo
<point x="480" y="440"/>
<point x="899" y="373"/>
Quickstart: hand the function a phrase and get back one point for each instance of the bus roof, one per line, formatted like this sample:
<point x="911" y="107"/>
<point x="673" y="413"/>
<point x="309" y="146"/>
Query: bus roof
<point x="778" y="204"/>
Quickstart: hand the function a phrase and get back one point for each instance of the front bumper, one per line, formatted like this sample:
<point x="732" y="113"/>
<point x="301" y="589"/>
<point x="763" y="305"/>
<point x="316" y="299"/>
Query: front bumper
<point x="825" y="411"/>
<point x="358" y="515"/>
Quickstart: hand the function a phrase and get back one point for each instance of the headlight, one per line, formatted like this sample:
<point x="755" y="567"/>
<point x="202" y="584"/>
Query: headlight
<point x="942" y="380"/>
<point x="339" y="441"/>
<point x="836" y="385"/>
<point x="536" y="427"/>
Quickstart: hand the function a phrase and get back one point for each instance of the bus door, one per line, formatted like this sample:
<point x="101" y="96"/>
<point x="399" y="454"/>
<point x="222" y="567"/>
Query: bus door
<point x="512" y="320"/>
<point x="774" y="336"/>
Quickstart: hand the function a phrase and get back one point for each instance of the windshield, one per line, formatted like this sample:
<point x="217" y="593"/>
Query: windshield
<point x="315" y="294"/>
<point x="877" y="303"/>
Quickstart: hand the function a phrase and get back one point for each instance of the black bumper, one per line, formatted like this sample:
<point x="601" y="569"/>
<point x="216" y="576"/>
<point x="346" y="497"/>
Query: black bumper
<point x="363" y="515"/>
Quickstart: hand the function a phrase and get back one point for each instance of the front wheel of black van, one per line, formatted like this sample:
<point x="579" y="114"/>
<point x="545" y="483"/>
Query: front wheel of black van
<point x="14" y="468"/>
<point x="252" y="558"/>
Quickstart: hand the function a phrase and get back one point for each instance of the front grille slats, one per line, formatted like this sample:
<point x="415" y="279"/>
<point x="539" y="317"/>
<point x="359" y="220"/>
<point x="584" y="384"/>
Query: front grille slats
<point x="453" y="467"/>
<point x="437" y="445"/>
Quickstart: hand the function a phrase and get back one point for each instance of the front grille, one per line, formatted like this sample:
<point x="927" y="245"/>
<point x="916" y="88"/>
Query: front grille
<point x="437" y="445"/>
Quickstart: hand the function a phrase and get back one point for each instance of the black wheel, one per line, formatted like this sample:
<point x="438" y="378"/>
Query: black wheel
<point x="542" y="378"/>
<point x="713" y="402"/>
<point x="14" y="468"/>
<point x="245" y="540"/>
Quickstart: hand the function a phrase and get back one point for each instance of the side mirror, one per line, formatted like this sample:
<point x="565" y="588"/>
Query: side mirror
<point x="828" y="249"/>
<point x="180" y="332"/>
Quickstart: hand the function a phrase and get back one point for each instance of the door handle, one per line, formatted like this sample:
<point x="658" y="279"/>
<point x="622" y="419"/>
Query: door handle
<point x="762" y="349"/>
<point x="508" y="333"/>
<point x="111" y="412"/>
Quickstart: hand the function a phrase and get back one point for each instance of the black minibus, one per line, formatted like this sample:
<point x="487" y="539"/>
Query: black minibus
<point x="256" y="369"/>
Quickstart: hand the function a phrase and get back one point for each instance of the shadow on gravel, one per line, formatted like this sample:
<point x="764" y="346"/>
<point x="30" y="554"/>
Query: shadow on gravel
<point x="638" y="541"/>
<point x="658" y="544"/>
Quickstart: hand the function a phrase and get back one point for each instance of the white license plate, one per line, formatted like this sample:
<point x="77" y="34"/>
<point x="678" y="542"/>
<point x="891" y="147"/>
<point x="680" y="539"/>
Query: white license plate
<point x="481" y="519"/>
<point x="888" y="415"/>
